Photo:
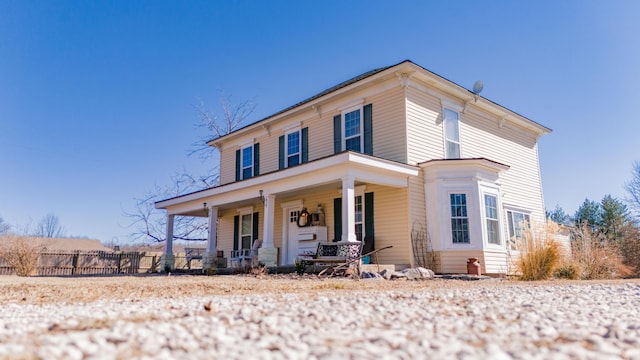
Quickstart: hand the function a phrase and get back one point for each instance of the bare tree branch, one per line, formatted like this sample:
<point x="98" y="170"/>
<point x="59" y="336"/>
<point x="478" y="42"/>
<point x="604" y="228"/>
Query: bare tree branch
<point x="633" y="188"/>
<point x="147" y="222"/>
<point x="49" y="227"/>
<point x="233" y="117"/>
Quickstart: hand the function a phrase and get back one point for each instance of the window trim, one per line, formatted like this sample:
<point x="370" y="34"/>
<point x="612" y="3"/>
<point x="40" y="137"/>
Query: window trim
<point x="496" y="219"/>
<point x="343" y="124"/>
<point x="286" y="146"/>
<point x="444" y="132"/>
<point x="242" y="167"/>
<point x="510" y="242"/>
<point x="467" y="218"/>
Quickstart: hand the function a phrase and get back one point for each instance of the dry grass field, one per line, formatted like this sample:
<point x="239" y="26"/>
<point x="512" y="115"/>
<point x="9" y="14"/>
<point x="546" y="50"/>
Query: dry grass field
<point x="44" y="290"/>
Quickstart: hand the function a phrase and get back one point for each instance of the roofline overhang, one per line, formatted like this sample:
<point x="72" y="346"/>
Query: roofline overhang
<point x="492" y="165"/>
<point x="333" y="168"/>
<point x="410" y="69"/>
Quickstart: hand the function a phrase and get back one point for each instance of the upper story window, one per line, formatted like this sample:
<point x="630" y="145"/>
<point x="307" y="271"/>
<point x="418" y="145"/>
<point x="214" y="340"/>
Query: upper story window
<point x="451" y="134"/>
<point x="491" y="219"/>
<point x="293" y="148"/>
<point x="353" y="131"/>
<point x="519" y="225"/>
<point x="459" y="219"/>
<point x="247" y="162"/>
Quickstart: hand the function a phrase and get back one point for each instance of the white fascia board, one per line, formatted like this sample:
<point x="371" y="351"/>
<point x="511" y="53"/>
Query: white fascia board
<point x="311" y="105"/>
<point x="363" y="167"/>
<point x="459" y="92"/>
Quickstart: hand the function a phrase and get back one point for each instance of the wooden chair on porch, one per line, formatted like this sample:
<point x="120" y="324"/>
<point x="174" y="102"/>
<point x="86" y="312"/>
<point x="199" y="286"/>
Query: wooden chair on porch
<point x="240" y="257"/>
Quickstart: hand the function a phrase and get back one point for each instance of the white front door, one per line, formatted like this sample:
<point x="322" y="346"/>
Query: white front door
<point x="291" y="218"/>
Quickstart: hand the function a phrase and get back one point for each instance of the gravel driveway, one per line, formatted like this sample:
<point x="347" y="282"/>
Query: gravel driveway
<point x="490" y="320"/>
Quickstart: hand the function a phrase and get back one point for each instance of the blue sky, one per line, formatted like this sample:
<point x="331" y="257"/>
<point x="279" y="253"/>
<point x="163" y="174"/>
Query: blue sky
<point x="96" y="98"/>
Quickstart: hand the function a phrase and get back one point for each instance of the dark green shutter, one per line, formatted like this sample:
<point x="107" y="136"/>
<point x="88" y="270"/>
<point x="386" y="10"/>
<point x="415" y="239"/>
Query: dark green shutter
<point x="368" y="214"/>
<point x="256" y="159"/>
<point x="337" y="134"/>
<point x="369" y="232"/>
<point x="236" y="232"/>
<point x="337" y="219"/>
<point x="238" y="165"/>
<point x="368" y="132"/>
<point x="255" y="226"/>
<point x="305" y="145"/>
<point x="281" y="152"/>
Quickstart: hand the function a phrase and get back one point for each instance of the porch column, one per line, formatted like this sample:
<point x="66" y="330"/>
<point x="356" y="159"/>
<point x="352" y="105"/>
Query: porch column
<point x="212" y="239"/>
<point x="168" y="245"/>
<point x="269" y="217"/>
<point x="267" y="253"/>
<point x="210" y="257"/>
<point x="168" y="261"/>
<point x="348" y="209"/>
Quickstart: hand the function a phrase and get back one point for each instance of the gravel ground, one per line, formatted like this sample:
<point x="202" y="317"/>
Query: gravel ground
<point x="436" y="319"/>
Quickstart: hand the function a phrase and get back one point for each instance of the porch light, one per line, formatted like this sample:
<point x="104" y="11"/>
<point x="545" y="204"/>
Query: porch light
<point x="206" y="209"/>
<point x="261" y="196"/>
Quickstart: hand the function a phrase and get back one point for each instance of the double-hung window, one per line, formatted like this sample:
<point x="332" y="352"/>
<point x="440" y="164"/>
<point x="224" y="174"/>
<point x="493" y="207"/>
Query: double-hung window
<point x="491" y="219"/>
<point x="246" y="231"/>
<point x="353" y="131"/>
<point x="247" y="162"/>
<point x="293" y="148"/>
<point x="519" y="225"/>
<point x="451" y="134"/>
<point x="459" y="219"/>
<point x="359" y="217"/>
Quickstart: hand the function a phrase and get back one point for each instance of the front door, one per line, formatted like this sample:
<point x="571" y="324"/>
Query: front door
<point x="292" y="234"/>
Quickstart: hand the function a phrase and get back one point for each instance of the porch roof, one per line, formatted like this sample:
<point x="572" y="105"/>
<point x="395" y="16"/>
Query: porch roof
<point x="328" y="171"/>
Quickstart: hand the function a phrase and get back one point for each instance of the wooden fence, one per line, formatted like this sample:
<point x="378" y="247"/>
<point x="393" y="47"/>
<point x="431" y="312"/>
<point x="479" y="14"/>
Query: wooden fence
<point x="61" y="263"/>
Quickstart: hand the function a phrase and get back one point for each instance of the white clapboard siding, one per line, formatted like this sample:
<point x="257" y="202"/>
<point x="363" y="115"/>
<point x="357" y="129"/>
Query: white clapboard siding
<point x="424" y="127"/>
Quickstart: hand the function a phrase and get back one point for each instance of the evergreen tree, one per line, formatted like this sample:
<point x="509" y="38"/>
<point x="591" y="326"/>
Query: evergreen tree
<point x="589" y="212"/>
<point x="559" y="216"/>
<point x="613" y="217"/>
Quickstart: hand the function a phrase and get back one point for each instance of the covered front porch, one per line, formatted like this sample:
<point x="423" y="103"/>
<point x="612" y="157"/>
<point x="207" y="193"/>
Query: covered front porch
<point x="267" y="207"/>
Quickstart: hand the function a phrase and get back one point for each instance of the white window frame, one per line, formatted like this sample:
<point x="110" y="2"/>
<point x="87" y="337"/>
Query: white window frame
<point x="242" y="167"/>
<point x="286" y="146"/>
<point x="451" y="217"/>
<point x="511" y="221"/>
<point x="242" y="213"/>
<point x="448" y="140"/>
<point x="487" y="219"/>
<point x="344" y="139"/>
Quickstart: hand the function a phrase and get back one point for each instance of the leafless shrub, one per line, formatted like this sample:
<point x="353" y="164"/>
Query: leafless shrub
<point x="423" y="254"/>
<point x="21" y="253"/>
<point x="595" y="256"/>
<point x="542" y="255"/>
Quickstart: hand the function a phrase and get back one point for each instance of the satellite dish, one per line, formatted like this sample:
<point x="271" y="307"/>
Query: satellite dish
<point x="477" y="87"/>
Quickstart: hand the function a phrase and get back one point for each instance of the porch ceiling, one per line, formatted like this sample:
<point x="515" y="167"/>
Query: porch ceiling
<point x="321" y="174"/>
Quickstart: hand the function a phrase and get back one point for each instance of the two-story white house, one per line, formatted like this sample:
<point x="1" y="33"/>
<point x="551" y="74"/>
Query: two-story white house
<point x="390" y="151"/>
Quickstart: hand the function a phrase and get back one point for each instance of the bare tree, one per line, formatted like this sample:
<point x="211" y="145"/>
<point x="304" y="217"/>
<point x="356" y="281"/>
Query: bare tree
<point x="49" y="226"/>
<point x="149" y="223"/>
<point x="4" y="227"/>
<point x="633" y="188"/>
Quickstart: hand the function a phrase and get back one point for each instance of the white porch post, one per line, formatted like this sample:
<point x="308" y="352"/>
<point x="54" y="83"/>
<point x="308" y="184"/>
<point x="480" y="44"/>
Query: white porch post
<point x="348" y="209"/>
<point x="212" y="240"/>
<point x="267" y="253"/>
<point x="269" y="217"/>
<point x="209" y="260"/>
<point x="167" y="261"/>
<point x="168" y="245"/>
